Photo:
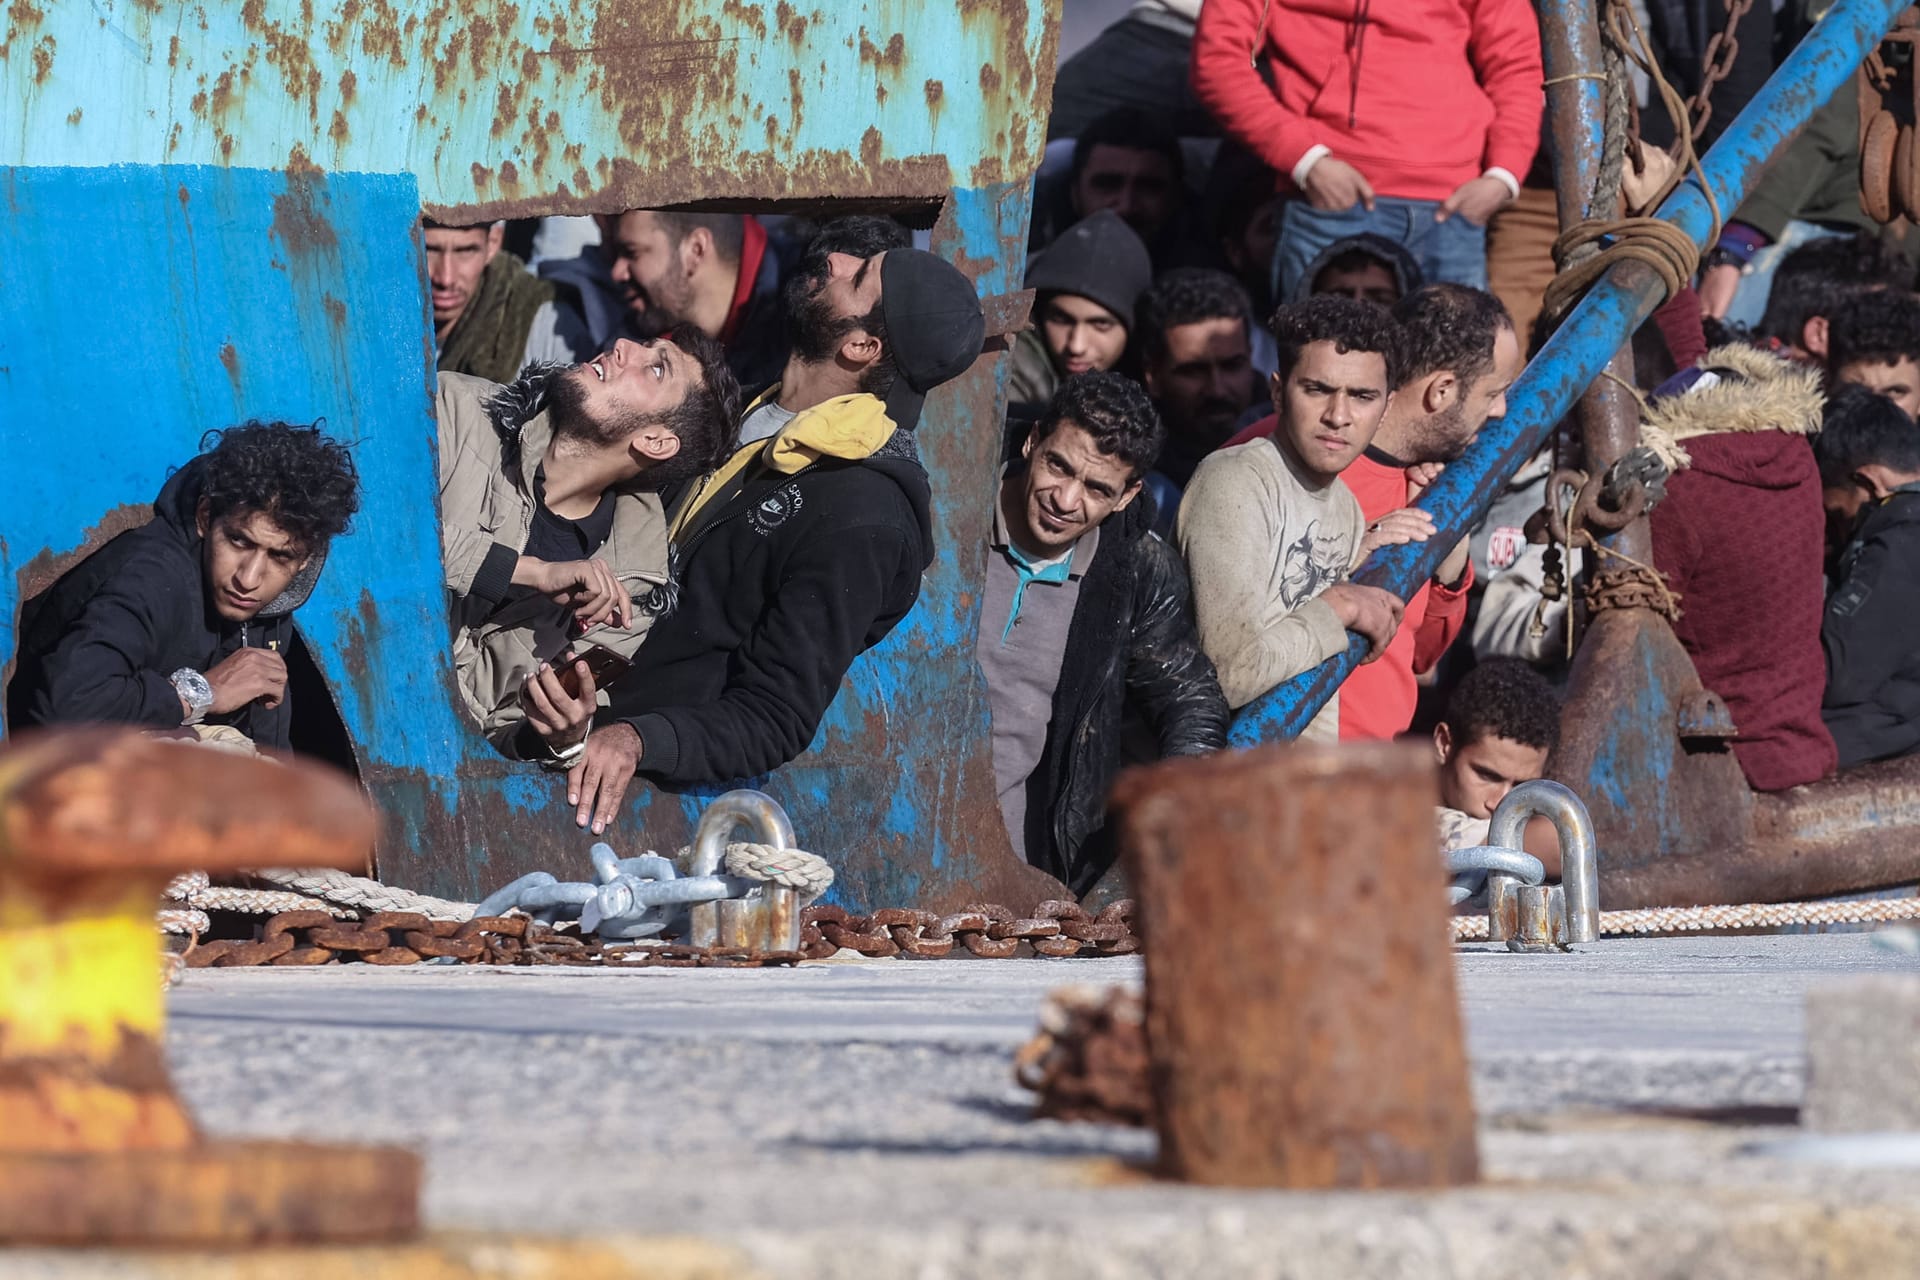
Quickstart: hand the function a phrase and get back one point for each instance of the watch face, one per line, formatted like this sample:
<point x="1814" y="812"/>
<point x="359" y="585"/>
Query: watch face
<point x="194" y="688"/>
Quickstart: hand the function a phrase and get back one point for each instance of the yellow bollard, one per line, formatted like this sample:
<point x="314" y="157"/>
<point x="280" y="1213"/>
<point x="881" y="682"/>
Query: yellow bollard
<point x="94" y="1145"/>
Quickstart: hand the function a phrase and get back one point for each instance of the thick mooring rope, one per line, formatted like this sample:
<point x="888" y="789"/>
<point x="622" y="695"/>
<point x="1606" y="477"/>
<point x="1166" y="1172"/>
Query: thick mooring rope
<point x="1747" y="915"/>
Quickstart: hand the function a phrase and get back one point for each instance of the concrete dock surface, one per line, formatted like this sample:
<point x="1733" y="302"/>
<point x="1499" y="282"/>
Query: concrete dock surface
<point x="862" y="1117"/>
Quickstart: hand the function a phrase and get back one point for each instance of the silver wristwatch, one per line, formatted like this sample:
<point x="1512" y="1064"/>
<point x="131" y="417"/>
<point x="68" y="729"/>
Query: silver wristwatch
<point x="195" y="692"/>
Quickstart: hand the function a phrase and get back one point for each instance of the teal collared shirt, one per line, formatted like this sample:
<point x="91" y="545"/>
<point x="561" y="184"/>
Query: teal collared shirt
<point x="1025" y="617"/>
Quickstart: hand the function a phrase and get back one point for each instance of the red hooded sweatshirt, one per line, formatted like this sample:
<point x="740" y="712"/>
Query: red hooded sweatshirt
<point x="1418" y="95"/>
<point x="1740" y="536"/>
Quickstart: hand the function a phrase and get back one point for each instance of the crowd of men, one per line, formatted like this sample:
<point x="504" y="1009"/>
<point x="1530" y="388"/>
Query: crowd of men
<point x="681" y="488"/>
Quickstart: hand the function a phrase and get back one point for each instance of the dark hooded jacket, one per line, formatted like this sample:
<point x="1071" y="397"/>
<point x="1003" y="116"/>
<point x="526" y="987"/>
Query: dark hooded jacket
<point x="1406" y="268"/>
<point x="1872" y="704"/>
<point x="1098" y="258"/>
<point x="784" y="581"/>
<point x="1132" y="640"/>
<point x="102" y="643"/>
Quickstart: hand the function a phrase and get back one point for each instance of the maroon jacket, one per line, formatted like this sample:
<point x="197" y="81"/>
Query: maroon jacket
<point x="1740" y="535"/>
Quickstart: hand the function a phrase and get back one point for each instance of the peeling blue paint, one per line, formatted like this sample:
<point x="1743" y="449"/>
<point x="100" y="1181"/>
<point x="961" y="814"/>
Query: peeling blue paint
<point x="178" y="260"/>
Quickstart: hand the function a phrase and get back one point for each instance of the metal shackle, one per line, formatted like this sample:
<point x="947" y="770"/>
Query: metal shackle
<point x="759" y="812"/>
<point x="1579" y="854"/>
<point x="1472" y="868"/>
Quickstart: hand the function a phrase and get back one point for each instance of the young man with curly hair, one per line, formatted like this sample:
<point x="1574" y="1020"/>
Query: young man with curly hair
<point x="185" y="621"/>
<point x="1502" y="722"/>
<point x="1874" y="342"/>
<point x="1460" y="356"/>
<point x="1268" y="530"/>
<point x="1074" y="568"/>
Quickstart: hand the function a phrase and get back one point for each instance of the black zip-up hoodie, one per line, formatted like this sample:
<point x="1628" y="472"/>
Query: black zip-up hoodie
<point x="101" y="644"/>
<point x="781" y="588"/>
<point x="1872" y="704"/>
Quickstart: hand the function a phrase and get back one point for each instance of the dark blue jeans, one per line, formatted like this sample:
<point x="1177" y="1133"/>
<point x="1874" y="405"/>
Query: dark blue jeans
<point x="1454" y="250"/>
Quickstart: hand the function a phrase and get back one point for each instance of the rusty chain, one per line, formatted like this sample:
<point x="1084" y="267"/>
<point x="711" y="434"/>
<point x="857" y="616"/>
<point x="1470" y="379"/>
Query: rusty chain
<point x="1053" y="928"/>
<point x="1716" y="65"/>
<point x="1089" y="1059"/>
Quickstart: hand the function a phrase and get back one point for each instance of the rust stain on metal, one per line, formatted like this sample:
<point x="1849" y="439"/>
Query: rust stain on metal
<point x="73" y="116"/>
<point x="298" y="222"/>
<point x="890" y="59"/>
<point x="42" y="59"/>
<point x="230" y="361"/>
<point x="1338" y="1060"/>
<point x="934" y="91"/>
<point x="752" y="17"/>
<point x="41" y="572"/>
<point x="989" y="78"/>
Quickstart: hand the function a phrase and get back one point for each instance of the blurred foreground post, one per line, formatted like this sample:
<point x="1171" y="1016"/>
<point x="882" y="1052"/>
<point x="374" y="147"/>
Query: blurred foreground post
<point x="95" y="1148"/>
<point x="1302" y="1023"/>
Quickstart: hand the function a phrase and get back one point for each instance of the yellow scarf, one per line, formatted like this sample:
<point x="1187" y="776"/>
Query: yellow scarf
<point x="849" y="427"/>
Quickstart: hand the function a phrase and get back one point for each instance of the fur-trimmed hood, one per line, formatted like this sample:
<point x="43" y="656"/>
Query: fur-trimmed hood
<point x="1733" y="390"/>
<point x="519" y="402"/>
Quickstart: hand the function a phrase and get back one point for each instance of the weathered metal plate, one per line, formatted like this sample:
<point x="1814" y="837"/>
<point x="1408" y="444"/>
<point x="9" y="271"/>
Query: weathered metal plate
<point x="545" y="106"/>
<point x="210" y="215"/>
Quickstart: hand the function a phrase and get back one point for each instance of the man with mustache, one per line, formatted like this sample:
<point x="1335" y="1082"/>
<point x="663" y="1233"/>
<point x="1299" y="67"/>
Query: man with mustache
<point x="715" y="272"/>
<point x="1461" y="354"/>
<point x="1196" y="347"/>
<point x="552" y="533"/>
<point x="805" y="548"/>
<point x="1086" y="615"/>
<point x="1268" y="530"/>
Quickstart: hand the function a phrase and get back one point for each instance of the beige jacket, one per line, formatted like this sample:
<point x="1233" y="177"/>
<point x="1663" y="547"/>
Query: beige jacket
<point x="1261" y="544"/>
<point x="490" y="450"/>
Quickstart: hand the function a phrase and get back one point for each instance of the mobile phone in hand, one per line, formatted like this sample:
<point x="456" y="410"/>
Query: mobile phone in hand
<point x="606" y="666"/>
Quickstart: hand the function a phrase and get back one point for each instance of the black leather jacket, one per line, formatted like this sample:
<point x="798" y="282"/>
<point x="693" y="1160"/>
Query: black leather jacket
<point x="1132" y="645"/>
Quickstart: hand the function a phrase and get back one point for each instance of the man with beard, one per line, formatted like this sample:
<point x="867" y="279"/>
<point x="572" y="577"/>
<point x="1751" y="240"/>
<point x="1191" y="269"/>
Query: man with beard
<point x="715" y="272"/>
<point x="1461" y="354"/>
<point x="1196" y="344"/>
<point x="491" y="317"/>
<point x="805" y="548"/>
<point x="551" y="528"/>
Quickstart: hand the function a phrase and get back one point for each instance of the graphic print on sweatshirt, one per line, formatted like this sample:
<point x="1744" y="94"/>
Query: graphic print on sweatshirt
<point x="1310" y="565"/>
<point x="776" y="509"/>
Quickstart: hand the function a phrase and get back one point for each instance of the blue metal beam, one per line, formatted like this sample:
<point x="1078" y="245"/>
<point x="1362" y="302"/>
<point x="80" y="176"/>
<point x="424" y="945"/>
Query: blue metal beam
<point x="1581" y="347"/>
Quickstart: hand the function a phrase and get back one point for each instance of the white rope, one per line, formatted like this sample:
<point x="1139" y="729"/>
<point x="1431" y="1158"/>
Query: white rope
<point x="337" y="888"/>
<point x="796" y="868"/>
<point x="182" y="920"/>
<point x="1748" y="915"/>
<point x="194" y="891"/>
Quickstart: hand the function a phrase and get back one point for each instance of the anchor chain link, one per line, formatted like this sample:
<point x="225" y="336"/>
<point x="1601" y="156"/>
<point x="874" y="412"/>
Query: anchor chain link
<point x="1053" y="928"/>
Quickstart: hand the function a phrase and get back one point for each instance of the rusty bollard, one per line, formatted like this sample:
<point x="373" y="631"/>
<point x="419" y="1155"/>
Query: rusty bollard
<point x="95" y="1147"/>
<point x="1302" y="1026"/>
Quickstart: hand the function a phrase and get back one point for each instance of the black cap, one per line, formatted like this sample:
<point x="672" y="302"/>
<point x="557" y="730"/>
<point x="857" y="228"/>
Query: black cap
<point x="934" y="326"/>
